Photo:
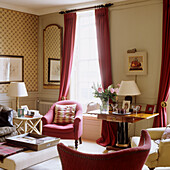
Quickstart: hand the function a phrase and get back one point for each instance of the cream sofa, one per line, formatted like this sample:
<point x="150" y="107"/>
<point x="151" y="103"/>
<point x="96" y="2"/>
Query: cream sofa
<point x="159" y="155"/>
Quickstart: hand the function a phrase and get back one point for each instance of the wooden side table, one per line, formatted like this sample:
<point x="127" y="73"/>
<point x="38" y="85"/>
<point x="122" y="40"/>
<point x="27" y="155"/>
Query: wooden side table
<point x="28" y="125"/>
<point x="122" y="123"/>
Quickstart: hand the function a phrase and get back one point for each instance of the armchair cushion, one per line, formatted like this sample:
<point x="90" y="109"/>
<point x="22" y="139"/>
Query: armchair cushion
<point x="64" y="114"/>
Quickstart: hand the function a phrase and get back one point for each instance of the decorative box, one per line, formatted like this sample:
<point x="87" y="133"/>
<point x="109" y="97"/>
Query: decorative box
<point x="33" y="141"/>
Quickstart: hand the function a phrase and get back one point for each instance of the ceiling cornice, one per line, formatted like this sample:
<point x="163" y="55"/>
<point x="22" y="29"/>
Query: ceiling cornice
<point x="18" y="8"/>
<point x="49" y="10"/>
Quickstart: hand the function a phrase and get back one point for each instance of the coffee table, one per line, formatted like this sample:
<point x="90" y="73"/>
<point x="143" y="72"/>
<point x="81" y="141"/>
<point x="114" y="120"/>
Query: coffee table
<point x="28" y="158"/>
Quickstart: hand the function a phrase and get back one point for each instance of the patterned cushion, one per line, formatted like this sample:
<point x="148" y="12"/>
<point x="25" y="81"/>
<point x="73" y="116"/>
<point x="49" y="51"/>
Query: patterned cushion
<point x="64" y="114"/>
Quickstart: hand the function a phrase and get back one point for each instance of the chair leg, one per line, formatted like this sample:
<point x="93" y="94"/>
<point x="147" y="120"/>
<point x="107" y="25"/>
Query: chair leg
<point x="80" y="141"/>
<point x="76" y="144"/>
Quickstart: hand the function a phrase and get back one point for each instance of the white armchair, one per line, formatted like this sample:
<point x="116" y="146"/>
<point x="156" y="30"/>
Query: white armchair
<point x="159" y="155"/>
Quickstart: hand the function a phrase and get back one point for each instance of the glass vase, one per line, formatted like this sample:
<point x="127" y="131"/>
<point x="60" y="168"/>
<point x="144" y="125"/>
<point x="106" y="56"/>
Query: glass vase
<point x="104" y="108"/>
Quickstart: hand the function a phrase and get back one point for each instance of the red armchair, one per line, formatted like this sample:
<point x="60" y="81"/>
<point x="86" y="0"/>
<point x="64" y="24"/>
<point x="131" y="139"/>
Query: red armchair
<point x="125" y="159"/>
<point x="65" y="131"/>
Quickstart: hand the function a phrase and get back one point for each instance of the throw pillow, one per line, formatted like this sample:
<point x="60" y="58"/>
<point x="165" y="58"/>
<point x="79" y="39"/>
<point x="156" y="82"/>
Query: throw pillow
<point x="6" y="118"/>
<point x="166" y="134"/>
<point x="64" y="114"/>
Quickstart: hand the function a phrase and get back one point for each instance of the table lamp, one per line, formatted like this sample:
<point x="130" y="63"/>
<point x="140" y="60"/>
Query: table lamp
<point x="17" y="89"/>
<point x="128" y="89"/>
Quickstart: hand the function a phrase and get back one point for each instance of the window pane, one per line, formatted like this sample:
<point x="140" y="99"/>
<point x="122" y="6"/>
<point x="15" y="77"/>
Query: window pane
<point x="85" y="70"/>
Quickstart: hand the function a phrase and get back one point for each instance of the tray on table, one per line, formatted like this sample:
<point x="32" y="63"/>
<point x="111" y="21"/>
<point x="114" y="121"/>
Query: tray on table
<point x="33" y="141"/>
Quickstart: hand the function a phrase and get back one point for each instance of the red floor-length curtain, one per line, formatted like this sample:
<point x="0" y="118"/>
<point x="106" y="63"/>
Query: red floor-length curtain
<point x="67" y="58"/>
<point x="109" y="129"/>
<point x="164" y="85"/>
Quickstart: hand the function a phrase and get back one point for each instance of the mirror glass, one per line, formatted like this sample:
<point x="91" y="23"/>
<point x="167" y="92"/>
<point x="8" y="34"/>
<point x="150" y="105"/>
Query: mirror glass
<point x="52" y="49"/>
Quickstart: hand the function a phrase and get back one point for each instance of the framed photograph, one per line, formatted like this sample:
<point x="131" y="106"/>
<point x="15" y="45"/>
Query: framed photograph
<point x="20" y="112"/>
<point x="11" y="69"/>
<point x="136" y="63"/>
<point x="126" y="105"/>
<point x="25" y="107"/>
<point x="53" y="70"/>
<point x="149" y="108"/>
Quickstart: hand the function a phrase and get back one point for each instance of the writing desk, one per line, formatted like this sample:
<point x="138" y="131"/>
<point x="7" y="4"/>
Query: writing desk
<point x="123" y="120"/>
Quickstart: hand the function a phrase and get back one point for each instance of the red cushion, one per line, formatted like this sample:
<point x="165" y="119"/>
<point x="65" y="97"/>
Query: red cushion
<point x="54" y="128"/>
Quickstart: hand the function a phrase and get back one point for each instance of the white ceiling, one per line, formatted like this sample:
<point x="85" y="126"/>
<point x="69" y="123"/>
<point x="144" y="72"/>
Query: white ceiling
<point x="40" y="7"/>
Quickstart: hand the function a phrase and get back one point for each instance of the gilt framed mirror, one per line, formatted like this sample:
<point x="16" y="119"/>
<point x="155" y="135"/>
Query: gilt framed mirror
<point x="52" y="52"/>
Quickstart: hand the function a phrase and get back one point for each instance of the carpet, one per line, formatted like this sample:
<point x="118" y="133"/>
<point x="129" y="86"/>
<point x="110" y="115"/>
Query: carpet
<point x="55" y="164"/>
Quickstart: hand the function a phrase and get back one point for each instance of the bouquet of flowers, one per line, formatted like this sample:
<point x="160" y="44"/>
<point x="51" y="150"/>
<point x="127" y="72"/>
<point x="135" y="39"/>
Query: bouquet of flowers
<point x="106" y="94"/>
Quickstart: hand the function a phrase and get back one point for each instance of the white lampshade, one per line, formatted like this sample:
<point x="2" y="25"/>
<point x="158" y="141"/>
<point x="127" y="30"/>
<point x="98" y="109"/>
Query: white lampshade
<point x="17" y="89"/>
<point x="128" y="88"/>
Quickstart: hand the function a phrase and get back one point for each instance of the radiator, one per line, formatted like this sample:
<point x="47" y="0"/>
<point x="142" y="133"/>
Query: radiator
<point x="44" y="106"/>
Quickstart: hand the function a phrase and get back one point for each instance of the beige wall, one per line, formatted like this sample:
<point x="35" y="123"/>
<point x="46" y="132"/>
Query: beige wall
<point x="44" y="20"/>
<point x="137" y="25"/>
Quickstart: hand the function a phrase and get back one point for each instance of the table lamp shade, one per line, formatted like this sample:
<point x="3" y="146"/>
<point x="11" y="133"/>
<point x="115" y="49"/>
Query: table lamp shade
<point x="17" y="89"/>
<point x="128" y="88"/>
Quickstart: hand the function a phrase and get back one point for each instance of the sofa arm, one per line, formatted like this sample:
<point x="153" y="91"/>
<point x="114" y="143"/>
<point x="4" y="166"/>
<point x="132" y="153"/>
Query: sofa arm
<point x="164" y="153"/>
<point x="156" y="133"/>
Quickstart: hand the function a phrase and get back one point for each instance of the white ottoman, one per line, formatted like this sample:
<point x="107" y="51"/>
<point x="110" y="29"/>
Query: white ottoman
<point x="28" y="158"/>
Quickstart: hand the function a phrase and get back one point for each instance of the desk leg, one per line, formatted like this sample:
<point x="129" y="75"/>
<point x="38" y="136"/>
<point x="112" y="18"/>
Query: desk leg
<point x="122" y="135"/>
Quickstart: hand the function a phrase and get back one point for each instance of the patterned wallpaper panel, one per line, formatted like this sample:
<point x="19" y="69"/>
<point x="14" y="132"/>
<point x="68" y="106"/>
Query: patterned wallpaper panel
<point x="19" y="36"/>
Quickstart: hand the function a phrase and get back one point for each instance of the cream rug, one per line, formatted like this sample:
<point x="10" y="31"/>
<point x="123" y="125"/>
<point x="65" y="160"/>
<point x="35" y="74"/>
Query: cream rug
<point x="86" y="147"/>
<point x="55" y="164"/>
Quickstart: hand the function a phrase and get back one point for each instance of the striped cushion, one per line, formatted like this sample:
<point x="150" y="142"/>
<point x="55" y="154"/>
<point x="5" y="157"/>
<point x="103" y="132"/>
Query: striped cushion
<point x="64" y="114"/>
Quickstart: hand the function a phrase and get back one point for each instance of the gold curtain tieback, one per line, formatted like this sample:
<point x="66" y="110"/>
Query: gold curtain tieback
<point x="63" y="98"/>
<point x="163" y="104"/>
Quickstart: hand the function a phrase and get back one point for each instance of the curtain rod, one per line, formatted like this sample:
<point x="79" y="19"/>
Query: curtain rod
<point x="80" y="9"/>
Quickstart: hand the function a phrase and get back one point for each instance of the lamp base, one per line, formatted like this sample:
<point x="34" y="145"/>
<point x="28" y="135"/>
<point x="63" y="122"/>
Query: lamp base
<point x="129" y="98"/>
<point x="17" y="103"/>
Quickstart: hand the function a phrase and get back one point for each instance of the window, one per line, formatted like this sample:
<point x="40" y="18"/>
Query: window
<point x="85" y="70"/>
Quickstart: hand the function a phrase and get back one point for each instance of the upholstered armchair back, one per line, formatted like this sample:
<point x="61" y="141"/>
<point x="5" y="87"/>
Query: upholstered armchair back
<point x="51" y="113"/>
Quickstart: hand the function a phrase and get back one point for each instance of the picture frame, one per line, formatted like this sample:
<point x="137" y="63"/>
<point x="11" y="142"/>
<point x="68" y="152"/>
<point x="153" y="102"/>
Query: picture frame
<point x="25" y="107"/>
<point x="53" y="70"/>
<point x="20" y="112"/>
<point x="126" y="105"/>
<point x="136" y="63"/>
<point x="149" y="108"/>
<point x="11" y="69"/>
